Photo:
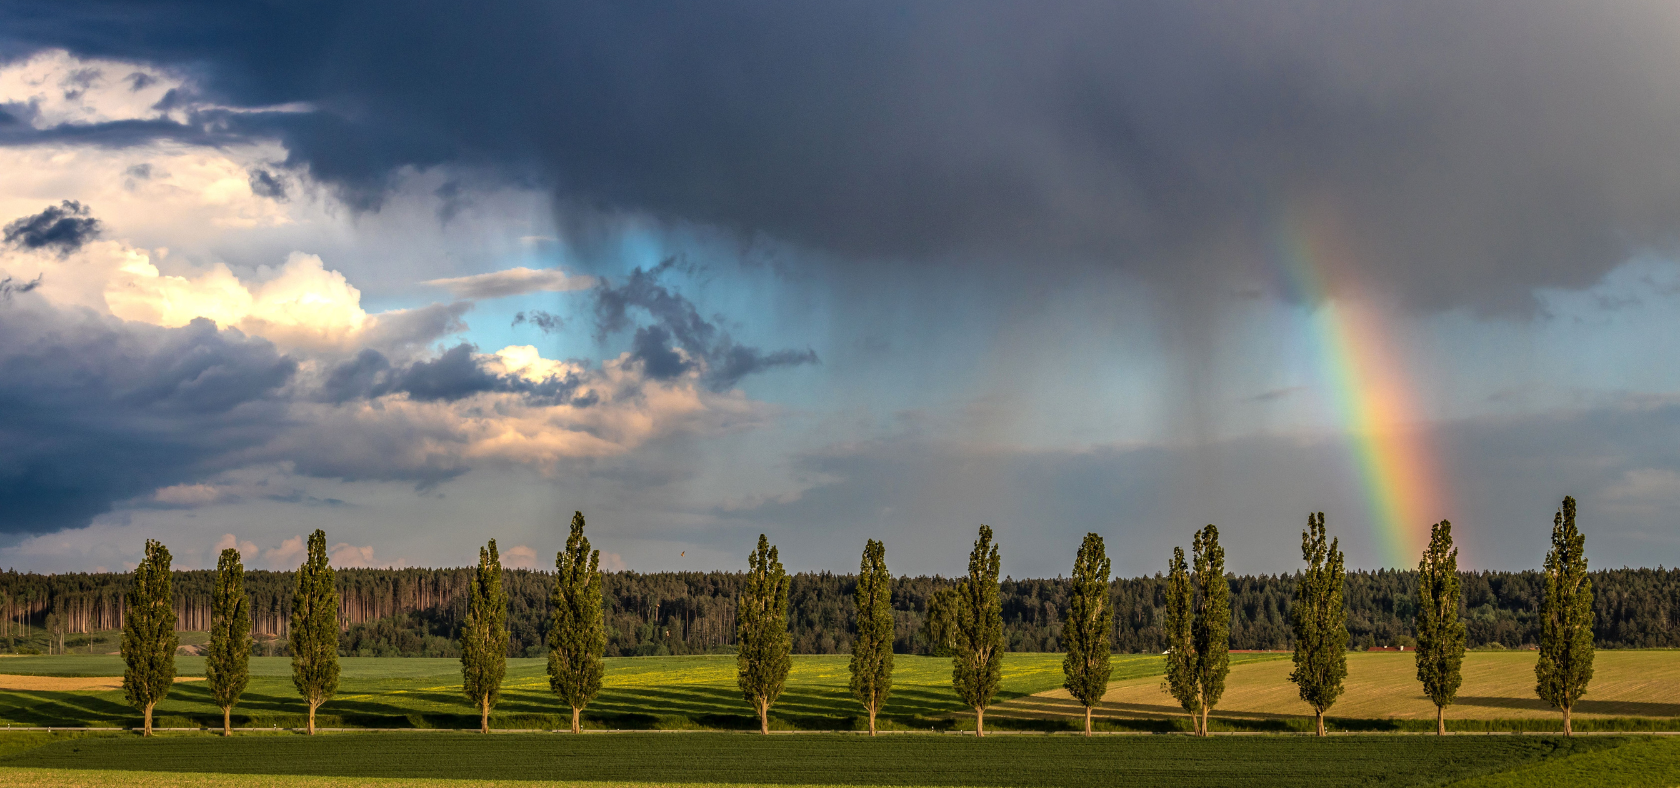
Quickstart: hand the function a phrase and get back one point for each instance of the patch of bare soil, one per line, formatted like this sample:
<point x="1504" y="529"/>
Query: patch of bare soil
<point x="69" y="683"/>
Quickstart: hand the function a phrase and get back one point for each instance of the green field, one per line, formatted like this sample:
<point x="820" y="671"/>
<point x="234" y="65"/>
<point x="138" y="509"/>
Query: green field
<point x="638" y="693"/>
<point x="1632" y="691"/>
<point x="809" y="759"/>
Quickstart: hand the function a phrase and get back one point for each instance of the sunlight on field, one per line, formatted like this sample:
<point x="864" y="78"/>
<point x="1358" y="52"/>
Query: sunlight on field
<point x="1497" y="685"/>
<point x="700" y="692"/>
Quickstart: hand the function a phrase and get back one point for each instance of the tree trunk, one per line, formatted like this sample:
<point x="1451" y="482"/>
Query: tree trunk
<point x="484" y="714"/>
<point x="1440" y="720"/>
<point x="979" y="720"/>
<point x="1567" y="730"/>
<point x="1321" y="722"/>
<point x="1087" y="720"/>
<point x="149" y="706"/>
<point x="871" y="720"/>
<point x="227" y="721"/>
<point x="763" y="717"/>
<point x="1205" y="711"/>
<point x="313" y="704"/>
<point x="577" y="713"/>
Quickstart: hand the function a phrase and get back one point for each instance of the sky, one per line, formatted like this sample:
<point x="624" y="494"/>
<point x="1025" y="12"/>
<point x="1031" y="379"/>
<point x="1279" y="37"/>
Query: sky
<point x="424" y="275"/>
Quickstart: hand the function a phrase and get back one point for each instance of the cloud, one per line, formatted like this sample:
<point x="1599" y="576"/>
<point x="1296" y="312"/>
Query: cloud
<point x="63" y="228"/>
<point x="519" y="557"/>
<point x="267" y="184"/>
<point x="98" y="411"/>
<point x="247" y="550"/>
<point x="344" y="555"/>
<point x="699" y="344"/>
<point x="289" y="555"/>
<point x="188" y="495"/>
<point x="302" y="305"/>
<point x="1457" y="151"/>
<point x="513" y="281"/>
<point x="10" y="286"/>
<point x="548" y="322"/>
<point x="54" y="88"/>
<point x="472" y="410"/>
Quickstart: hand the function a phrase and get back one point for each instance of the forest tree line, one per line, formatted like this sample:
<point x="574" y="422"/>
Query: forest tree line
<point x="418" y="612"/>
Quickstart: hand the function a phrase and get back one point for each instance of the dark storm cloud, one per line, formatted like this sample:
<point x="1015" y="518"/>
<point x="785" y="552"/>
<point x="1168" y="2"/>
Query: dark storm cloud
<point x="267" y="184"/>
<point x="677" y="322"/>
<point x="63" y="228"/>
<point x="93" y="410"/>
<point x="10" y="286"/>
<point x="1464" y="153"/>
<point x="454" y="374"/>
<point x="547" y="322"/>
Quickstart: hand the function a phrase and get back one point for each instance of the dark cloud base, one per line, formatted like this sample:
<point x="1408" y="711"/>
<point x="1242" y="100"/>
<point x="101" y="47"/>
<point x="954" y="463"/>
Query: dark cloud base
<point x="63" y="228"/>
<point x="93" y="410"/>
<point x="1463" y="153"/>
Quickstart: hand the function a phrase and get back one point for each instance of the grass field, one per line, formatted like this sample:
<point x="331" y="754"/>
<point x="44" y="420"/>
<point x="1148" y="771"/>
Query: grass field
<point x="814" y="759"/>
<point x="639" y="693"/>
<point x="1632" y="691"/>
<point x="1382" y="692"/>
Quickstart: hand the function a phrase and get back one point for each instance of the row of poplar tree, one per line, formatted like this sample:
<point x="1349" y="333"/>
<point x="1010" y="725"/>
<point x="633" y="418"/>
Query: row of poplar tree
<point x="1198" y="623"/>
<point x="968" y="620"/>
<point x="149" y="640"/>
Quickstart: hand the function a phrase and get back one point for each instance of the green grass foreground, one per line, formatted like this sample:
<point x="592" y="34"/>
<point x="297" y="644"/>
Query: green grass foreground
<point x="818" y="759"/>
<point x="643" y="693"/>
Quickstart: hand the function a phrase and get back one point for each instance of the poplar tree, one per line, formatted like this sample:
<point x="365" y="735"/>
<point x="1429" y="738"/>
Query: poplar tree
<point x="940" y="625"/>
<point x="576" y="636"/>
<point x="1566" y="619"/>
<point x="872" y="649"/>
<point x="314" y="628"/>
<point x="977" y="664"/>
<point x="1085" y="631"/>
<point x="1180" y="630"/>
<point x="761" y="630"/>
<point x="227" y="664"/>
<point x="1320" y="621"/>
<point x="1440" y="634"/>
<point x="484" y="636"/>
<point x="1212" y="630"/>
<point x="149" y="640"/>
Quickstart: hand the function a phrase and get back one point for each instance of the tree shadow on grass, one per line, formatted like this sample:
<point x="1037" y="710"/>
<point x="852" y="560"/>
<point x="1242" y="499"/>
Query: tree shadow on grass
<point x="1622" y="708"/>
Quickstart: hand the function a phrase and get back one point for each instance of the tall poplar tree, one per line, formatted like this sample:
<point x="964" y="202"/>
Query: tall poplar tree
<point x="872" y="649"/>
<point x="576" y="635"/>
<point x="977" y="664"/>
<point x="149" y="640"/>
<point x="1566" y="619"/>
<point x="939" y="628"/>
<point x="761" y="630"/>
<point x="1440" y="633"/>
<point x="314" y="628"/>
<point x="227" y="664"/>
<point x="484" y="636"/>
<point x="1320" y="621"/>
<point x="1212" y="630"/>
<point x="1180" y="632"/>
<point x="1087" y="628"/>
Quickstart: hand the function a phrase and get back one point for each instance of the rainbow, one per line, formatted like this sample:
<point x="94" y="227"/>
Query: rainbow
<point x="1369" y="391"/>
